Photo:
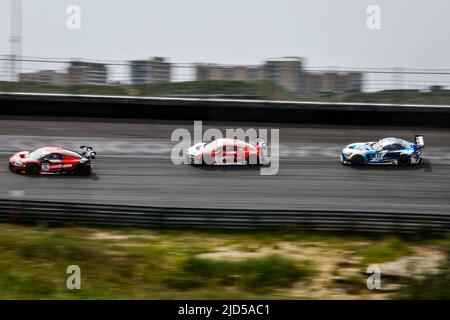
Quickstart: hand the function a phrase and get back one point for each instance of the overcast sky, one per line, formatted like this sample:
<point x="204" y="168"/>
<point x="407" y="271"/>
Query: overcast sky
<point x="414" y="33"/>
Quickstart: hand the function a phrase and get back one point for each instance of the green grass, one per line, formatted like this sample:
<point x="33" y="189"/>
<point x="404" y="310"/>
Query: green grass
<point x="384" y="251"/>
<point x="254" y="274"/>
<point x="430" y="286"/>
<point x="354" y="284"/>
<point x="33" y="263"/>
<point x="259" y="89"/>
<point x="174" y="264"/>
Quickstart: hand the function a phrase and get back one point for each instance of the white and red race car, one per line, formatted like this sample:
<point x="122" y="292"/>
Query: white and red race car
<point x="226" y="151"/>
<point x="53" y="160"/>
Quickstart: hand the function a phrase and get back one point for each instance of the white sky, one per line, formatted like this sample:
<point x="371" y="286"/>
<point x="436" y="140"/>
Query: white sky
<point x="414" y="33"/>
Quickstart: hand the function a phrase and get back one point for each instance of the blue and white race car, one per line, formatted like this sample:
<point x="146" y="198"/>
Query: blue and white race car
<point x="385" y="151"/>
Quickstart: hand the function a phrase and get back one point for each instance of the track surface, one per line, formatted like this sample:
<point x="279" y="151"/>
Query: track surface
<point x="134" y="167"/>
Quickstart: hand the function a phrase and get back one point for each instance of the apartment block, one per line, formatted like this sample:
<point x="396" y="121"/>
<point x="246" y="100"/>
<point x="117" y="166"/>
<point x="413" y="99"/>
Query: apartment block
<point x="46" y="76"/>
<point x="80" y="72"/>
<point x="154" y="70"/>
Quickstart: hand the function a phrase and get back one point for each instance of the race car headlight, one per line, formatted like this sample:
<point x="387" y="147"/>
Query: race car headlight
<point x="17" y="164"/>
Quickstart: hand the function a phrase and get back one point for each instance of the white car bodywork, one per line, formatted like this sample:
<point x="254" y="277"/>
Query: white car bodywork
<point x="235" y="156"/>
<point x="384" y="151"/>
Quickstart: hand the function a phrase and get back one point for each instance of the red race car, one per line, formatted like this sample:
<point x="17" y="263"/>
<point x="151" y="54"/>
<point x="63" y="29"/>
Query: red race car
<point x="52" y="160"/>
<point x="226" y="152"/>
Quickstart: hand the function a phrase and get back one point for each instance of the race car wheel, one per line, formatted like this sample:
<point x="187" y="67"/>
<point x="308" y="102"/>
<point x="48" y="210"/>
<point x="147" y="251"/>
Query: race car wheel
<point x="404" y="160"/>
<point x="357" y="160"/>
<point x="32" y="169"/>
<point x="82" y="170"/>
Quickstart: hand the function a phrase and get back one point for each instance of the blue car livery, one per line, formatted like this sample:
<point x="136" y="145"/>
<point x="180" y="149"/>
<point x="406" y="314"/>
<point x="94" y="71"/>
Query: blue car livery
<point x="385" y="151"/>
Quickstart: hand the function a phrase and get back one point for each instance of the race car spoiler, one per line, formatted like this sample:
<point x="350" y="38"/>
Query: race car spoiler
<point x="420" y="143"/>
<point x="88" y="152"/>
<point x="261" y="142"/>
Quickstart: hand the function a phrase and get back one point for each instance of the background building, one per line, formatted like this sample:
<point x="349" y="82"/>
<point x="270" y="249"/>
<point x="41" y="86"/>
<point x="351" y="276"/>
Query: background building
<point x="155" y="70"/>
<point x="229" y="72"/>
<point x="332" y="82"/>
<point x="47" y="76"/>
<point x="312" y="82"/>
<point x="354" y="82"/>
<point x="80" y="72"/>
<point x="287" y="72"/>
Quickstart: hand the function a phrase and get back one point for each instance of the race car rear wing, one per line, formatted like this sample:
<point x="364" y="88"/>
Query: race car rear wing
<point x="88" y="152"/>
<point x="261" y="142"/>
<point x="420" y="143"/>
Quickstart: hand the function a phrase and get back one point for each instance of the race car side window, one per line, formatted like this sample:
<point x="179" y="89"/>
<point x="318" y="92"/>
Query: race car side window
<point x="230" y="147"/>
<point x="54" y="156"/>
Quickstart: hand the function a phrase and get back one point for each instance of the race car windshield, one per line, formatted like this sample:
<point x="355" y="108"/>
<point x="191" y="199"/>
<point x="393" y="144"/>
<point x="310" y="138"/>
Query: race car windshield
<point x="37" y="154"/>
<point x="403" y="142"/>
<point x="211" y="146"/>
<point x="376" y="145"/>
<point x="387" y="141"/>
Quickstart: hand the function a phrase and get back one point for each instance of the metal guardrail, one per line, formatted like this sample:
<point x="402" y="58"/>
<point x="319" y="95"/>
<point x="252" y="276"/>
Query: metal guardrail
<point x="25" y="211"/>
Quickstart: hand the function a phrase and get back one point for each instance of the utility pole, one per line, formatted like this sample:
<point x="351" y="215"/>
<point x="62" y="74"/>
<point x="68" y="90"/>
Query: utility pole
<point x="16" y="39"/>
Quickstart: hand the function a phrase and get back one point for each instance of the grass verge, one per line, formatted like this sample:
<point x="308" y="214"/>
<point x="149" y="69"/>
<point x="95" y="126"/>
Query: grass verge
<point x="174" y="264"/>
<point x="259" y="89"/>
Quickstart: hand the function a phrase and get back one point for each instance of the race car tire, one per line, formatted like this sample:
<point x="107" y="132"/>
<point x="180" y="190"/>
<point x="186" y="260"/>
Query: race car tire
<point x="82" y="170"/>
<point x="357" y="160"/>
<point x="32" y="169"/>
<point x="404" y="160"/>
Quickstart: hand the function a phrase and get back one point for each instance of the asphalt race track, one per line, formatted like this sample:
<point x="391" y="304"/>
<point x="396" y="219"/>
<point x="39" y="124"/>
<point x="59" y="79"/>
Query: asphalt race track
<point x="134" y="167"/>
